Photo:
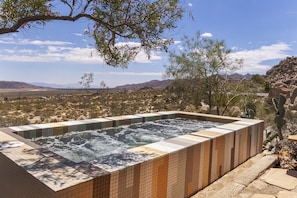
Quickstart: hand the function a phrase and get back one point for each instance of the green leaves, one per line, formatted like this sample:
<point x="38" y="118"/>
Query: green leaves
<point x="202" y="61"/>
<point x="115" y="23"/>
<point x="140" y="21"/>
<point x="14" y="10"/>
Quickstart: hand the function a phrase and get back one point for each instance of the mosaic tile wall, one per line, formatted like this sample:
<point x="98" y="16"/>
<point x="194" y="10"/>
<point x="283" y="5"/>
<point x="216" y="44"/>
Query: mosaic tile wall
<point x="177" y="167"/>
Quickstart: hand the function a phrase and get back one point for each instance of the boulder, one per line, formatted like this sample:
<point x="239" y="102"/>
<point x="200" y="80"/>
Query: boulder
<point x="235" y="111"/>
<point x="292" y="113"/>
<point x="292" y="107"/>
<point x="276" y="91"/>
<point x="293" y="95"/>
<point x="190" y="108"/>
<point x="286" y="158"/>
<point x="204" y="107"/>
<point x="280" y="84"/>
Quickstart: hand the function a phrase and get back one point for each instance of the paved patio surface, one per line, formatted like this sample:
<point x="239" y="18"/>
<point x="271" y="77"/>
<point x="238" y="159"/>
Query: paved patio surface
<point x="256" y="178"/>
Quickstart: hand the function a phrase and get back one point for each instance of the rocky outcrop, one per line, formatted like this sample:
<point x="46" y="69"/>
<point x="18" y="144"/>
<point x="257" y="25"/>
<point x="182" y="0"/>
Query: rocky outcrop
<point x="284" y="72"/>
<point x="293" y="95"/>
<point x="275" y="91"/>
<point x="283" y="80"/>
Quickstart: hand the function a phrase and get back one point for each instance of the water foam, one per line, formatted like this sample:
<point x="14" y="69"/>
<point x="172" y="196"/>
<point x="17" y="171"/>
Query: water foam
<point x="108" y="147"/>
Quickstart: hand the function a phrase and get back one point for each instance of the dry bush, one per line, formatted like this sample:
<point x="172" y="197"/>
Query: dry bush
<point x="64" y="107"/>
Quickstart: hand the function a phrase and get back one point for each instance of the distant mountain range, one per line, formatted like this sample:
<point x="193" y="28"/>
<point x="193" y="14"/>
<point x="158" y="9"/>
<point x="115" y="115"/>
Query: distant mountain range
<point x="17" y="85"/>
<point x="153" y="84"/>
<point x="237" y="76"/>
<point x="162" y="84"/>
<point x="57" y="86"/>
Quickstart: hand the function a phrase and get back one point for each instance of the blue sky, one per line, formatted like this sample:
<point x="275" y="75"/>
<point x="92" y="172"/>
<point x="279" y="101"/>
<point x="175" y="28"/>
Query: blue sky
<point x="261" y="32"/>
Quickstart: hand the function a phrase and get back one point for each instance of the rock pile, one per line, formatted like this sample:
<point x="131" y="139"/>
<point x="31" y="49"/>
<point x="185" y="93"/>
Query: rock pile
<point x="285" y="72"/>
<point x="283" y="79"/>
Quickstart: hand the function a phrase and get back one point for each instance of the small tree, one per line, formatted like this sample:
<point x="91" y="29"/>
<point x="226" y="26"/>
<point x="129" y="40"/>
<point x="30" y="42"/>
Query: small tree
<point x="258" y="79"/>
<point x="103" y="85"/>
<point x="259" y="83"/>
<point x="86" y="80"/>
<point x="204" y="64"/>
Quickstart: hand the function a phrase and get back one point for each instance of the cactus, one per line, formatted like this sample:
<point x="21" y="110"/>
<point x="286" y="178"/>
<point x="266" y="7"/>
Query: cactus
<point x="279" y="114"/>
<point x="249" y="110"/>
<point x="249" y="113"/>
<point x="269" y="137"/>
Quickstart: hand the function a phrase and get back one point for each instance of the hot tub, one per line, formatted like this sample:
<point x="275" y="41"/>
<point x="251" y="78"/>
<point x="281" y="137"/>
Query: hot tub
<point x="175" y="167"/>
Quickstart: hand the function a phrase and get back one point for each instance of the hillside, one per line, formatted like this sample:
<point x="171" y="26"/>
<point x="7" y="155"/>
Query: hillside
<point x="155" y="84"/>
<point x="237" y="76"/>
<point x="16" y="85"/>
<point x="284" y="72"/>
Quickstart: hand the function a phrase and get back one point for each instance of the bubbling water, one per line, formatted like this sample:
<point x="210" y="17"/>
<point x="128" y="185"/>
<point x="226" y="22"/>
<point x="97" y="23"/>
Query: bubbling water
<point x="109" y="145"/>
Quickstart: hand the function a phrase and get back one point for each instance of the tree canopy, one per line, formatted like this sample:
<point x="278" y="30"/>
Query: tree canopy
<point x="111" y="22"/>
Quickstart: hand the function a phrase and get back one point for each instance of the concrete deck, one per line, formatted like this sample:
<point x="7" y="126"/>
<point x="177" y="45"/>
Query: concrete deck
<point x="256" y="178"/>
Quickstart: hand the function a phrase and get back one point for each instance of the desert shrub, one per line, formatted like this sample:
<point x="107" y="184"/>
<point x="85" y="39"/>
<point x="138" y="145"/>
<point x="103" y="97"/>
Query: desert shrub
<point x="94" y="114"/>
<point x="15" y="113"/>
<point x="59" y="112"/>
<point x="27" y="108"/>
<point x="39" y="105"/>
<point x="266" y="87"/>
<point x="37" y="112"/>
<point x="16" y="121"/>
<point x="259" y="79"/>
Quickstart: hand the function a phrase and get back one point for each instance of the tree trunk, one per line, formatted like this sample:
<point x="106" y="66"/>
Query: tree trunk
<point x="280" y="135"/>
<point x="209" y="101"/>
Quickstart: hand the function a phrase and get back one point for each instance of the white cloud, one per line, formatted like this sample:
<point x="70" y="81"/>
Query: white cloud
<point x="11" y="41"/>
<point x="57" y="51"/>
<point x="206" y="34"/>
<point x="234" y="48"/>
<point x="78" y="34"/>
<point x="253" y="59"/>
<point x="141" y="57"/>
<point x="9" y="51"/>
<point x="26" y="58"/>
<point x="131" y="44"/>
<point x="82" y="55"/>
<point x="38" y="42"/>
<point x="190" y="4"/>
<point x="7" y="40"/>
<point x="53" y="54"/>
<point x="54" y="49"/>
<point x="177" y="42"/>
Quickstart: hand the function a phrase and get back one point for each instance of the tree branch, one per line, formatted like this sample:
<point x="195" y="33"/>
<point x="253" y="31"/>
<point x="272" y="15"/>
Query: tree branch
<point x="29" y="19"/>
<point x="71" y="7"/>
<point x="137" y="20"/>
